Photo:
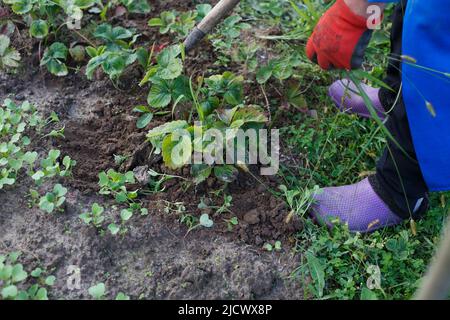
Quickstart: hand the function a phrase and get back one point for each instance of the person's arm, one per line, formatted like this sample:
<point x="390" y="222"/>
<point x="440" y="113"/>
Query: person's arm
<point x="343" y="33"/>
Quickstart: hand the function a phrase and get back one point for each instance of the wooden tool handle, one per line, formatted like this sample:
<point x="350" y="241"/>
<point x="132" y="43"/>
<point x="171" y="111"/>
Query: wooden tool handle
<point x="221" y="10"/>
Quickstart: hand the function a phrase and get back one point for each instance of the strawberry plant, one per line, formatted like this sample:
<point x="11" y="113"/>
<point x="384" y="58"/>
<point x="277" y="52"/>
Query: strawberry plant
<point x="218" y="105"/>
<point x="53" y="200"/>
<point x="167" y="82"/>
<point x="44" y="16"/>
<point x="55" y="58"/>
<point x="116" y="53"/>
<point x="179" y="24"/>
<point x="94" y="217"/>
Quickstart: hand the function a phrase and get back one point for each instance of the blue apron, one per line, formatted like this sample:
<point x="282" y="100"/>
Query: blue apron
<point x="426" y="93"/>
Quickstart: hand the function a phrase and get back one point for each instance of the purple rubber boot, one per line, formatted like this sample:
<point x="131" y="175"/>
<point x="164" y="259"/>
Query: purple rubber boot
<point x="346" y="97"/>
<point x="356" y="205"/>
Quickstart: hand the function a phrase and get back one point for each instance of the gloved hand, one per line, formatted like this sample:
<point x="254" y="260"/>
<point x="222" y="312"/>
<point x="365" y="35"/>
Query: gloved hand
<point x="339" y="39"/>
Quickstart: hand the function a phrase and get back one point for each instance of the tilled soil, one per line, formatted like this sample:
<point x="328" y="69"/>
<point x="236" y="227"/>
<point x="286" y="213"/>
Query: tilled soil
<point x="158" y="258"/>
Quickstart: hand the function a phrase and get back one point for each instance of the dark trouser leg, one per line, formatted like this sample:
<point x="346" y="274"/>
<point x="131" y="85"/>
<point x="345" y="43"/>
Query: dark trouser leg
<point x="399" y="180"/>
<point x="393" y="76"/>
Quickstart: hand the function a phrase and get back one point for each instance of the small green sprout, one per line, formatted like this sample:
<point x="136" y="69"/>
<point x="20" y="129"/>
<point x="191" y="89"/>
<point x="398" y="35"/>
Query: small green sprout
<point x="53" y="200"/>
<point x="94" y="217"/>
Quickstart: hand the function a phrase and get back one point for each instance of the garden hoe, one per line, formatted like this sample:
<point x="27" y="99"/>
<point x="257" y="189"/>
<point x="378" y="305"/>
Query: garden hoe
<point x="216" y="15"/>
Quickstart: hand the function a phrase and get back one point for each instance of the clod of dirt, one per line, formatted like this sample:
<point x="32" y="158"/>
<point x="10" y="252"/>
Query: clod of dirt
<point x="252" y="217"/>
<point x="141" y="174"/>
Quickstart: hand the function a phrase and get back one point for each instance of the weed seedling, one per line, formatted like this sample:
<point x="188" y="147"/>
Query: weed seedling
<point x="53" y="200"/>
<point x="13" y="279"/>
<point x="94" y="217"/>
<point x="231" y="223"/>
<point x="97" y="291"/>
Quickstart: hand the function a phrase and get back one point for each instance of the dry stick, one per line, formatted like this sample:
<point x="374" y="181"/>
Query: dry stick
<point x="267" y="103"/>
<point x="436" y="284"/>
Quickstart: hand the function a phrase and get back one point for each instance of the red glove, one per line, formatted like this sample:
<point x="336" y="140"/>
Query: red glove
<point x="339" y="39"/>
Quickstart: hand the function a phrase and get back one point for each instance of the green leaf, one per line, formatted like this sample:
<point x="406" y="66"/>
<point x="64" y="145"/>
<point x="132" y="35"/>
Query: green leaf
<point x="38" y="175"/>
<point x="9" y="292"/>
<point x="177" y="150"/>
<point x="114" y="229"/>
<point x="226" y="115"/>
<point x="201" y="172"/>
<point x="32" y="291"/>
<point x="22" y="6"/>
<point x="59" y="190"/>
<point x="137" y="6"/>
<point x="121" y="197"/>
<point x="22" y="296"/>
<point x="46" y="206"/>
<point x="167" y="128"/>
<point x="122" y="297"/>
<point x="91" y="51"/>
<point x="9" y="57"/>
<point x="30" y="157"/>
<point x="169" y="65"/>
<point x="264" y="73"/>
<point x="41" y="294"/>
<point x="160" y="94"/>
<point x="97" y="209"/>
<point x="39" y="29"/>
<point x="103" y="179"/>
<point x="367" y="294"/>
<point x="54" y="58"/>
<point x="144" y="120"/>
<point x="36" y="273"/>
<point x="50" y="280"/>
<point x="6" y="272"/>
<point x="317" y="272"/>
<point x="203" y="10"/>
<point x="205" y="221"/>
<point x="110" y="35"/>
<point x="226" y="173"/>
<point x="4" y="44"/>
<point x="97" y="291"/>
<point x="18" y="274"/>
<point x="13" y="256"/>
<point x="155" y="22"/>
<point x="86" y="217"/>
<point x="250" y="113"/>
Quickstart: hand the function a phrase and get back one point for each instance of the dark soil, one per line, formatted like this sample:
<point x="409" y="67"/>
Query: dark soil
<point x="158" y="258"/>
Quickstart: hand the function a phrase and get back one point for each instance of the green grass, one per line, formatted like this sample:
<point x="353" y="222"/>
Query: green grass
<point x="339" y="149"/>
